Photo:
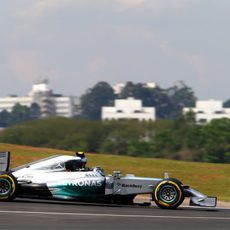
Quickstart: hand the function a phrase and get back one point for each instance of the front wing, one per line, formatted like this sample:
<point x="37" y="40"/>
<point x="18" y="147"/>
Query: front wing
<point x="199" y="199"/>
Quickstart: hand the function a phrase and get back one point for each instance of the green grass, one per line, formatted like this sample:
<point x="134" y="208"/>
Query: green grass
<point x="211" y="179"/>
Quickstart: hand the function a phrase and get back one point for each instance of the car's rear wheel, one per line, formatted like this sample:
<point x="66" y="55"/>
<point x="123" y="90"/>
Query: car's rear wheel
<point x="8" y="187"/>
<point x="168" y="194"/>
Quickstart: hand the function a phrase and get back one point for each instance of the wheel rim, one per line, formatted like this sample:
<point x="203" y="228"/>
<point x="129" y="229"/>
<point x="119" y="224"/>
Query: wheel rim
<point x="168" y="194"/>
<point x="5" y="187"/>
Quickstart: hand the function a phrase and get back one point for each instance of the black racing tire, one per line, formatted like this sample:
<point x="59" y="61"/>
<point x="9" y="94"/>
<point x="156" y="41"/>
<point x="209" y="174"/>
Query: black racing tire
<point x="8" y="187"/>
<point x="168" y="194"/>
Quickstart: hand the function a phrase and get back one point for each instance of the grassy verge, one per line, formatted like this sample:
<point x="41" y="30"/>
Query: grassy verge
<point x="211" y="179"/>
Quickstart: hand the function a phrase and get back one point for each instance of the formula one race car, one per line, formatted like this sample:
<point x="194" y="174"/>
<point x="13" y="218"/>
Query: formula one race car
<point x="63" y="177"/>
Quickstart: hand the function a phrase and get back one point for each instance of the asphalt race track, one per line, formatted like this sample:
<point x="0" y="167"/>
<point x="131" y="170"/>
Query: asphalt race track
<point x="39" y="214"/>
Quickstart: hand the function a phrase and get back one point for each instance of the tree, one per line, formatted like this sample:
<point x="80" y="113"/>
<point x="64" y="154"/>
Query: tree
<point x="153" y="97"/>
<point x="181" y="96"/>
<point x="5" y="118"/>
<point x="128" y="91"/>
<point x="20" y="113"/>
<point x="168" y="102"/>
<point x="91" y="103"/>
<point x="35" y="111"/>
<point x="227" y="104"/>
<point x="216" y="139"/>
<point x="161" y="102"/>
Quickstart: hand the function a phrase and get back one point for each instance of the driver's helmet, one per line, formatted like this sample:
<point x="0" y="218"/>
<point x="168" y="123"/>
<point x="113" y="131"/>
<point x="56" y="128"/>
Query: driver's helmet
<point x="83" y="158"/>
<point x="80" y="154"/>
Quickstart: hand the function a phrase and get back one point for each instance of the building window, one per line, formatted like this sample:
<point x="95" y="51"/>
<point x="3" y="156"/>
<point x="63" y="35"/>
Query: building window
<point x="202" y="121"/>
<point x="119" y="111"/>
<point x="219" y="112"/>
<point x="200" y="111"/>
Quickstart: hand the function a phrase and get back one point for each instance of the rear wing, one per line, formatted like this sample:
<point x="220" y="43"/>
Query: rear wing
<point x="4" y="161"/>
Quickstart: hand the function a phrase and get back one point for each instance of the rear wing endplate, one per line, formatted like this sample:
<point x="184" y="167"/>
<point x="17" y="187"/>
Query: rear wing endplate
<point x="4" y="161"/>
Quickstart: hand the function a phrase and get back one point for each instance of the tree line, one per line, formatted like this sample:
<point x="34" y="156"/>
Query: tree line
<point x="179" y="139"/>
<point x="19" y="114"/>
<point x="167" y="102"/>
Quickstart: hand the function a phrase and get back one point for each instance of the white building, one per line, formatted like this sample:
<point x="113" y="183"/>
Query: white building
<point x="7" y="103"/>
<point x="64" y="106"/>
<point x="120" y="86"/>
<point x="50" y="104"/>
<point x="150" y="85"/>
<point x="205" y="111"/>
<point x="129" y="108"/>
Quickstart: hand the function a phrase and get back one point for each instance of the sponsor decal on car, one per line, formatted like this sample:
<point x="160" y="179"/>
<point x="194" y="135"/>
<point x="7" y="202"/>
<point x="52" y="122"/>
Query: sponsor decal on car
<point x="83" y="183"/>
<point x="129" y="185"/>
<point x="91" y="175"/>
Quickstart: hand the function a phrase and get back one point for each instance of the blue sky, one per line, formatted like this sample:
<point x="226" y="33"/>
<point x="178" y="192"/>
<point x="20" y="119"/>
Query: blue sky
<point x="76" y="43"/>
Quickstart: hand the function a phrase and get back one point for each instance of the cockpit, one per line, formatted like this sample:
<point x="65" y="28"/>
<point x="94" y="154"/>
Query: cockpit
<point x="75" y="165"/>
<point x="56" y="163"/>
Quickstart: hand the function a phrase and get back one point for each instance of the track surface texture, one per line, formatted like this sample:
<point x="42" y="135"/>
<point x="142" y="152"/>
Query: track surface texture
<point x="40" y="214"/>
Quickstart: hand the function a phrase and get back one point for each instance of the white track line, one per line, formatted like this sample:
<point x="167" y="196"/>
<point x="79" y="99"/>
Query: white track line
<point x="116" y="215"/>
<point x="206" y="208"/>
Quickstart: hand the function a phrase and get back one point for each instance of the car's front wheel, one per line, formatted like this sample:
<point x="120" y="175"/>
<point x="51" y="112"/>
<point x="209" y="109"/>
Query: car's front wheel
<point x="168" y="194"/>
<point x="8" y="187"/>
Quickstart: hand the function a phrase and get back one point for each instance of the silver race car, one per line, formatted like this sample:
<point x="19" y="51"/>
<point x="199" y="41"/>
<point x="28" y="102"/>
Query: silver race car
<point x="67" y="177"/>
